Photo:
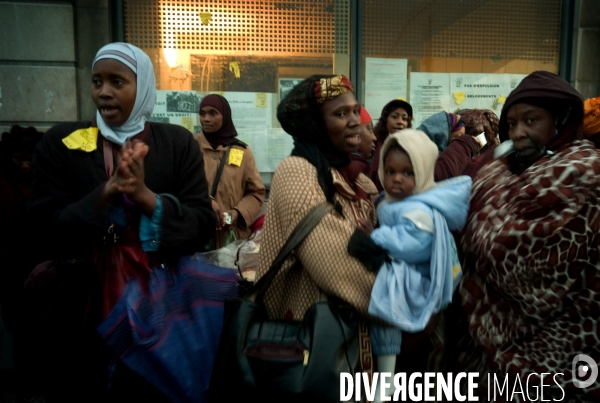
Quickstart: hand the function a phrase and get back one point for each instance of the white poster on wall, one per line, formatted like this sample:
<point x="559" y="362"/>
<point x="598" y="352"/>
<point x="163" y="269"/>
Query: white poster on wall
<point x="178" y="107"/>
<point x="279" y="146"/>
<point x="385" y="80"/>
<point x="251" y="114"/>
<point x="429" y="94"/>
<point x="481" y="91"/>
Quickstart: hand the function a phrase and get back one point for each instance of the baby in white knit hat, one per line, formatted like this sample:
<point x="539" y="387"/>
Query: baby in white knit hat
<point x="415" y="223"/>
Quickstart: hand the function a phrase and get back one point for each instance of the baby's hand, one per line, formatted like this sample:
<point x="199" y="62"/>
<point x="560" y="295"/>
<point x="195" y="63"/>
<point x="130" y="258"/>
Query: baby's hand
<point x="365" y="226"/>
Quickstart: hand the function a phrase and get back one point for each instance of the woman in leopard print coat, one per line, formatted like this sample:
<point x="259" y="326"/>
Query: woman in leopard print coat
<point x="531" y="293"/>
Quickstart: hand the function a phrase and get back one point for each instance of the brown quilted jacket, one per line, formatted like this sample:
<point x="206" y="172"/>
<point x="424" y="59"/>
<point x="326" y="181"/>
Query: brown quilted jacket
<point x="325" y="262"/>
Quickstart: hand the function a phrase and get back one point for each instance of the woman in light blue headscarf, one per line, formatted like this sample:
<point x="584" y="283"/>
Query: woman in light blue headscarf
<point x="145" y="96"/>
<point x="115" y="180"/>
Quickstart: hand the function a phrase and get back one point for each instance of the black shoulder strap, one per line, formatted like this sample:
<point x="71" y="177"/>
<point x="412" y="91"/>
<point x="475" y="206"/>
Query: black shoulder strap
<point x="213" y="191"/>
<point x="304" y="227"/>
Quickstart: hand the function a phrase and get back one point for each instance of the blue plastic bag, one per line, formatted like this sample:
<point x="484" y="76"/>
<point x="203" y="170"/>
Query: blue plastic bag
<point x="168" y="331"/>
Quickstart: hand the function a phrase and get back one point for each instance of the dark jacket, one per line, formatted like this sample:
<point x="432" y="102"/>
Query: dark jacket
<point x="456" y="157"/>
<point x="65" y="199"/>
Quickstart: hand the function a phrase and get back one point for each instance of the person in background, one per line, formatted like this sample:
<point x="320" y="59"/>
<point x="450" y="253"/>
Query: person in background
<point x="488" y="120"/>
<point x="16" y="174"/>
<point x="235" y="186"/>
<point x="458" y="152"/>
<point x="115" y="180"/>
<point x="415" y="221"/>
<point x="396" y="115"/>
<point x="591" y="120"/>
<point x="531" y="288"/>
<point x="17" y="258"/>
<point x="366" y="149"/>
<point x="491" y="127"/>
<point x="443" y="128"/>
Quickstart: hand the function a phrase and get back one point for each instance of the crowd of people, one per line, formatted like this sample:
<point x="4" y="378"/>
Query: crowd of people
<point x="468" y="244"/>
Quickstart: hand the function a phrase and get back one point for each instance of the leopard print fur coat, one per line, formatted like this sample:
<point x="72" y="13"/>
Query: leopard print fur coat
<point x="531" y="291"/>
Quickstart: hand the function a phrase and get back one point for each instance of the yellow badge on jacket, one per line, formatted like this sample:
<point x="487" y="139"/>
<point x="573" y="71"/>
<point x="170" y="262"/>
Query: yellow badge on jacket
<point x="236" y="156"/>
<point x="82" y="139"/>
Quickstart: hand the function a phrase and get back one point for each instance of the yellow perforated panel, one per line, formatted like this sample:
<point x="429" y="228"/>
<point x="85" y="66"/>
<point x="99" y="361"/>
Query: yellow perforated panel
<point x="293" y="26"/>
<point x="477" y="29"/>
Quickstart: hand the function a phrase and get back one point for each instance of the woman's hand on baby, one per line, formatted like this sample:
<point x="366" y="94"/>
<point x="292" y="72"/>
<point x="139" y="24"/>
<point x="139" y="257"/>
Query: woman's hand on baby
<point x="365" y="226"/>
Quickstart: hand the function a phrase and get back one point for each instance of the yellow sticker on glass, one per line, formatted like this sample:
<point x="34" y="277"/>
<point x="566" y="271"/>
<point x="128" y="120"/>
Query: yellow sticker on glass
<point x="205" y="18"/>
<point x="235" y="67"/>
<point x="82" y="139"/>
<point x="188" y="123"/>
<point x="459" y="97"/>
<point x="236" y="156"/>
<point x="261" y="100"/>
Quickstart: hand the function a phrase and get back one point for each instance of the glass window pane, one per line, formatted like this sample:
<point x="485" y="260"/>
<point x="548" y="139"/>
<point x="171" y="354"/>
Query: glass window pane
<point x="250" y="51"/>
<point x="478" y="38"/>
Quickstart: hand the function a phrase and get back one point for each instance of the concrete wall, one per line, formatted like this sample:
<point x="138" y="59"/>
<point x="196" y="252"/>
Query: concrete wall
<point x="46" y="50"/>
<point x="93" y="30"/>
<point x="587" y="52"/>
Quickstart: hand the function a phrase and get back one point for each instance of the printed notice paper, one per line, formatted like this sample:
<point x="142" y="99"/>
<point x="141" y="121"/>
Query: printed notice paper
<point x="429" y="94"/>
<point x="433" y="92"/>
<point x="385" y="80"/>
<point x="481" y="91"/>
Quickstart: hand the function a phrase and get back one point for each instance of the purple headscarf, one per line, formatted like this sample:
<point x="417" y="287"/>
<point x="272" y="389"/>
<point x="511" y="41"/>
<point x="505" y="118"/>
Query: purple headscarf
<point x="226" y="134"/>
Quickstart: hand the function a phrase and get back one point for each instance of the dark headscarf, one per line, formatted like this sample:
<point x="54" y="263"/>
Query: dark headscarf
<point x="551" y="92"/>
<point x="300" y="116"/>
<point x="226" y="134"/>
<point x="488" y="119"/>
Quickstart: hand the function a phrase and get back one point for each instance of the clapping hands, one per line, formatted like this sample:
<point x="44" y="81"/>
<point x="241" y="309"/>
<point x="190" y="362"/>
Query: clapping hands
<point x="128" y="177"/>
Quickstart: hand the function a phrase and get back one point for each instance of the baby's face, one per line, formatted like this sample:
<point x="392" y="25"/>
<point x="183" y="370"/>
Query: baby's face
<point x="398" y="175"/>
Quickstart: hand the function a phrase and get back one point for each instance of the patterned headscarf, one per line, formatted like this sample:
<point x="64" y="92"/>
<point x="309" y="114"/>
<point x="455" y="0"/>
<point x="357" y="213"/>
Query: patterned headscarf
<point x="227" y="133"/>
<point x="145" y="96"/>
<point x="488" y="119"/>
<point x="591" y="116"/>
<point x="328" y="88"/>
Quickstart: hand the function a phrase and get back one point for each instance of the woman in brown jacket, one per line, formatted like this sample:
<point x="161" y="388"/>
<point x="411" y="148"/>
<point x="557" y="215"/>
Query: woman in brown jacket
<point x="238" y="192"/>
<point x="322" y="115"/>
